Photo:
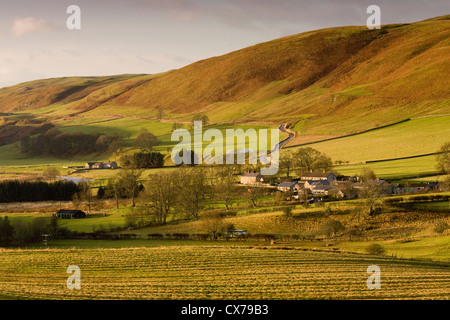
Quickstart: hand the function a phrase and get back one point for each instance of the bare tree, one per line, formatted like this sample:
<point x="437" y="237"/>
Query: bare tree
<point x="287" y="161"/>
<point x="161" y="195"/>
<point x="371" y="191"/>
<point x="443" y="159"/>
<point x="194" y="190"/>
<point x="309" y="159"/>
<point x="117" y="146"/>
<point x="114" y="190"/>
<point x="146" y="140"/>
<point x="160" y="112"/>
<point x="201" y="117"/>
<point x="367" y="174"/>
<point x="76" y="201"/>
<point x="84" y="195"/>
<point x="212" y="223"/>
<point x="443" y="164"/>
<point x="255" y="194"/>
<point x="129" y="180"/>
<point x="176" y="126"/>
<point x="225" y="184"/>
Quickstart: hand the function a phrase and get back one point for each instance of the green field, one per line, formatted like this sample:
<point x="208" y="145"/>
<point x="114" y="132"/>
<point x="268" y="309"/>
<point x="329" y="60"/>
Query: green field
<point x="439" y="206"/>
<point x="421" y="249"/>
<point x="206" y="272"/>
<point x="12" y="163"/>
<point x="395" y="169"/>
<point x="426" y="248"/>
<point x="414" y="137"/>
<point x="127" y="127"/>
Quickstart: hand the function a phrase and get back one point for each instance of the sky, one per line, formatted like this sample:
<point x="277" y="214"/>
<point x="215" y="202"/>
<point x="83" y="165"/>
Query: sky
<point x="153" y="36"/>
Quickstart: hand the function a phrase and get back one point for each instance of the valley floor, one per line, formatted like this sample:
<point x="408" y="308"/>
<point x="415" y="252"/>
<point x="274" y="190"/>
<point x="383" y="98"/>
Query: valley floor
<point x="216" y="272"/>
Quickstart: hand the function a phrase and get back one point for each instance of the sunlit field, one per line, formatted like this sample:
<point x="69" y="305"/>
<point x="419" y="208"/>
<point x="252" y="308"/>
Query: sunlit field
<point x="215" y="273"/>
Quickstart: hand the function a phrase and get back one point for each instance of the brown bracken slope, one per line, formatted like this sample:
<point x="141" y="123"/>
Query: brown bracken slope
<point x="350" y="76"/>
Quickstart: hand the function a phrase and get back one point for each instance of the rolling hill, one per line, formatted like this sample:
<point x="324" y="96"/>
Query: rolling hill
<point x="330" y="81"/>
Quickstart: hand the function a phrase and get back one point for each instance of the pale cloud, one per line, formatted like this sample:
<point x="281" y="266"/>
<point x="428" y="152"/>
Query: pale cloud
<point x="23" y="26"/>
<point x="20" y="65"/>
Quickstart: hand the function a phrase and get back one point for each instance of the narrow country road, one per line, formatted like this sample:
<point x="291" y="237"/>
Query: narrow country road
<point x="279" y="145"/>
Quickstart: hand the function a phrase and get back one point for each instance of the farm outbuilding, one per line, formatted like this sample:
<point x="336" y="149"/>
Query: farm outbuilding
<point x="287" y="186"/>
<point x="101" y="165"/>
<point x="235" y="233"/>
<point x="70" y="214"/>
<point x="251" y="178"/>
<point x="318" y="176"/>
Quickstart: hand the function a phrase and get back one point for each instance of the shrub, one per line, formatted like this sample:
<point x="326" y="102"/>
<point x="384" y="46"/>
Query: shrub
<point x="181" y="236"/>
<point x="441" y="226"/>
<point x="138" y="219"/>
<point x="263" y="236"/>
<point x="308" y="235"/>
<point x="155" y="236"/>
<point x="375" y="249"/>
<point x="143" y="160"/>
<point x="287" y="211"/>
<point x="353" y="233"/>
<point x="331" y="227"/>
<point x="281" y="197"/>
<point x="227" y="227"/>
<point x="231" y="213"/>
<point x="200" y="236"/>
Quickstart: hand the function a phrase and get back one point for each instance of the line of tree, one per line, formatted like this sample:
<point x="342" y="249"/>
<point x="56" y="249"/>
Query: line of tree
<point x="146" y="140"/>
<point x="58" y="144"/>
<point x="19" y="231"/>
<point x="32" y="191"/>
<point x="185" y="192"/>
<point x="201" y="117"/>
<point x="443" y="164"/>
<point x="305" y="160"/>
<point x="127" y="184"/>
<point x="142" y="160"/>
<point x="6" y="232"/>
<point x="182" y="193"/>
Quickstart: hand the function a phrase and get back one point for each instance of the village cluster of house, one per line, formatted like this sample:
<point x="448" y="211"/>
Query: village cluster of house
<point x="324" y="184"/>
<point x="101" y="165"/>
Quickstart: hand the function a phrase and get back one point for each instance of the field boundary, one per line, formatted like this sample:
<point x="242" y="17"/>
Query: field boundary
<point x="404" y="158"/>
<point x="349" y="135"/>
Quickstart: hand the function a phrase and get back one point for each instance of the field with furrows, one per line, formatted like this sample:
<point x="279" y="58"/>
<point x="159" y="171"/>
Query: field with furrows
<point x="215" y="272"/>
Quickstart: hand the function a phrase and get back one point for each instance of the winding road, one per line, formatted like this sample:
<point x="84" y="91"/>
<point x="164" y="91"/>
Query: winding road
<point x="279" y="145"/>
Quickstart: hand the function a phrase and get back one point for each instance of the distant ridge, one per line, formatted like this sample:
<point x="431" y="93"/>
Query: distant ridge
<point x="349" y="77"/>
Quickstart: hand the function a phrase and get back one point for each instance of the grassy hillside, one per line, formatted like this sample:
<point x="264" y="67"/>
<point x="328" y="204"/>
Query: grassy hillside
<point x="353" y="76"/>
<point x="396" y="169"/>
<point x="326" y="83"/>
<point x="414" y="137"/>
<point x="43" y="93"/>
